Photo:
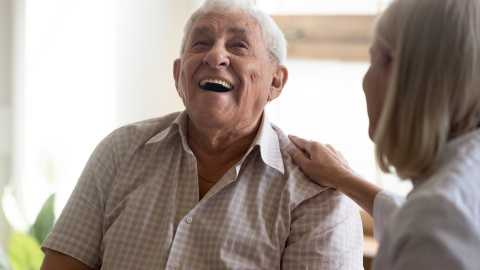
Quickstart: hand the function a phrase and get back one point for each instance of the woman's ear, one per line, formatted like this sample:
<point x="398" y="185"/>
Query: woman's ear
<point x="280" y="78"/>
<point x="392" y="56"/>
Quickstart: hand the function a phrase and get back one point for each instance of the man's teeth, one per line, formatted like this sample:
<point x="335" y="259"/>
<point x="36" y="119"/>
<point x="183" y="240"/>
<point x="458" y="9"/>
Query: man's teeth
<point x="223" y="83"/>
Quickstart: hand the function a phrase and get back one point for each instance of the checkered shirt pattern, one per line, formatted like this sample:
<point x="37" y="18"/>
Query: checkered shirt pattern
<point x="136" y="206"/>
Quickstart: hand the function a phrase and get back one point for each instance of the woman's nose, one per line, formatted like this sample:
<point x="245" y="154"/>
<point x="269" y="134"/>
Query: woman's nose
<point x="217" y="57"/>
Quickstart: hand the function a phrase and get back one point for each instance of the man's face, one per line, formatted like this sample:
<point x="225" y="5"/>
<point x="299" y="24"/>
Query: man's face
<point x="225" y="76"/>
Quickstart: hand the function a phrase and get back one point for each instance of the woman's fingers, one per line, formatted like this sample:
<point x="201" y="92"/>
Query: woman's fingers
<point x="321" y="162"/>
<point x="300" y="143"/>
<point x="299" y="157"/>
<point x="310" y="147"/>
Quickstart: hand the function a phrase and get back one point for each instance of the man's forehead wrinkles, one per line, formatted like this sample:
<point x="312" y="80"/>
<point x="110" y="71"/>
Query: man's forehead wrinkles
<point x="237" y="30"/>
<point x="232" y="30"/>
<point x="201" y="30"/>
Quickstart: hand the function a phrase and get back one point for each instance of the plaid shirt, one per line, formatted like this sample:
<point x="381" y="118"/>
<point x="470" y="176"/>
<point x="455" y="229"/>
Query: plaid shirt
<point x="136" y="206"/>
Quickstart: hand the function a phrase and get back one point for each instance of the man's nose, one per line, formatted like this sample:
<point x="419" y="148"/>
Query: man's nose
<point x="217" y="57"/>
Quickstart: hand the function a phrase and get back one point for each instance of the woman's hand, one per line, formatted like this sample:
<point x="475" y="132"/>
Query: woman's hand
<point x="321" y="162"/>
<point x="327" y="166"/>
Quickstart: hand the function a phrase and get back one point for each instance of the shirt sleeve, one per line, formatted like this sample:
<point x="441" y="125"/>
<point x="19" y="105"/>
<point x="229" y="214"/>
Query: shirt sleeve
<point x="79" y="230"/>
<point x="326" y="233"/>
<point x="384" y="204"/>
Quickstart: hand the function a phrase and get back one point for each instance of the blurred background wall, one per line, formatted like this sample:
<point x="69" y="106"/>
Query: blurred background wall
<point x="5" y="105"/>
<point x="148" y="41"/>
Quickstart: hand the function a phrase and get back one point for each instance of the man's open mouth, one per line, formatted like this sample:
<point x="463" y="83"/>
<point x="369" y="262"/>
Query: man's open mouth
<point x="215" y="85"/>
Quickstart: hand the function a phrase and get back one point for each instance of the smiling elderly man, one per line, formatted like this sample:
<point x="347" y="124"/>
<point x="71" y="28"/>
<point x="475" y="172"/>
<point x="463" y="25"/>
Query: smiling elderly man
<point x="212" y="187"/>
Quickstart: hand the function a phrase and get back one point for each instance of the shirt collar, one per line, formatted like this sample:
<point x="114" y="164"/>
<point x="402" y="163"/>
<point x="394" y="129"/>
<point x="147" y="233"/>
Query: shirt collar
<point x="266" y="139"/>
<point x="179" y="124"/>
<point x="268" y="142"/>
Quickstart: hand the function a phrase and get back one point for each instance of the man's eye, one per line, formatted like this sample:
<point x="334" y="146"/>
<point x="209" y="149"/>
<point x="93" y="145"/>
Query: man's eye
<point x="240" y="45"/>
<point x="199" y="43"/>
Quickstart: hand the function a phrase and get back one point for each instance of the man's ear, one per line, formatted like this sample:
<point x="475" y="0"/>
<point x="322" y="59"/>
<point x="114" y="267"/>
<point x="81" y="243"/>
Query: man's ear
<point x="280" y="78"/>
<point x="176" y="72"/>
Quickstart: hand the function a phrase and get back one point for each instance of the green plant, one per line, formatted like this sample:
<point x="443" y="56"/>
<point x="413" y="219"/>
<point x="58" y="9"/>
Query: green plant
<point x="24" y="251"/>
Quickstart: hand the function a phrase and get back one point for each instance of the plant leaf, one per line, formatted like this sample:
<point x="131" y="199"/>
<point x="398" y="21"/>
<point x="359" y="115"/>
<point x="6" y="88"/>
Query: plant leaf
<point x="45" y="220"/>
<point x="24" y="252"/>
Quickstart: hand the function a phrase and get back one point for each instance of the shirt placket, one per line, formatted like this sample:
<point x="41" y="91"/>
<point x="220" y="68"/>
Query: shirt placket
<point x="182" y="249"/>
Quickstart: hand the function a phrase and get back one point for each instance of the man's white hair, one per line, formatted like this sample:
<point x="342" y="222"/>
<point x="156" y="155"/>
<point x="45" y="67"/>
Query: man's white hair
<point x="273" y="36"/>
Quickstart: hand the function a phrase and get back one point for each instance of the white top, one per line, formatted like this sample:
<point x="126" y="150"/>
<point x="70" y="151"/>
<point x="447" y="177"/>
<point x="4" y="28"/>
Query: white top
<point x="438" y="227"/>
<point x="385" y="203"/>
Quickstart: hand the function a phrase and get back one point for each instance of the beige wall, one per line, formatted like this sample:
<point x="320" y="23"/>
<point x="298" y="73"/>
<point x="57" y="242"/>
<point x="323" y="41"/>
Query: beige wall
<point x="148" y="41"/>
<point x="5" y="107"/>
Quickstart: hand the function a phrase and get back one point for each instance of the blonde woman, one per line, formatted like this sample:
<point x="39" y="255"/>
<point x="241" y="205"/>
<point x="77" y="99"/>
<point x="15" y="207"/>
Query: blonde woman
<point x="423" y="99"/>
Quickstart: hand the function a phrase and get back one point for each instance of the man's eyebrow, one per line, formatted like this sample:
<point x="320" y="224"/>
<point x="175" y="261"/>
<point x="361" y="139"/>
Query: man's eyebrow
<point x="233" y="30"/>
<point x="238" y="30"/>
<point x="201" y="30"/>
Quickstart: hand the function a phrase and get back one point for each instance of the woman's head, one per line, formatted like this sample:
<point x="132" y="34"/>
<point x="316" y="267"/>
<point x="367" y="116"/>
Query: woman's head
<point x="433" y="89"/>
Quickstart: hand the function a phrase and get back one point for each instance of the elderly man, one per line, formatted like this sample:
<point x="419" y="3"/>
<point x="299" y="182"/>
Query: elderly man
<point x="212" y="187"/>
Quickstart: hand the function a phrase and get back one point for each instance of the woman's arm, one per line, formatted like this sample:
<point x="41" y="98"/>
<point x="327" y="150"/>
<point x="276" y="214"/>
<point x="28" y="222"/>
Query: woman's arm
<point x="326" y="166"/>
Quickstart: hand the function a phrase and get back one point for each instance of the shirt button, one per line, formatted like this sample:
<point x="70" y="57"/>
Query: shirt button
<point x="176" y="265"/>
<point x="189" y="220"/>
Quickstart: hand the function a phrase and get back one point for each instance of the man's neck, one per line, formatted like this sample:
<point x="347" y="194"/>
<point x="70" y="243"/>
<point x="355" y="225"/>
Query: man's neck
<point x="217" y="150"/>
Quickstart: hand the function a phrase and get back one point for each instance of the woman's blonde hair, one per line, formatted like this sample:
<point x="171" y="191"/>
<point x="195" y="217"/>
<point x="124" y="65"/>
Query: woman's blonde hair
<point x="434" y="89"/>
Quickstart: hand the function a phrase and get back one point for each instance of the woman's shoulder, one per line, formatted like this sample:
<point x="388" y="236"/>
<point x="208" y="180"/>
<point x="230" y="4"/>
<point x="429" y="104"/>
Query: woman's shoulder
<point x="432" y="231"/>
